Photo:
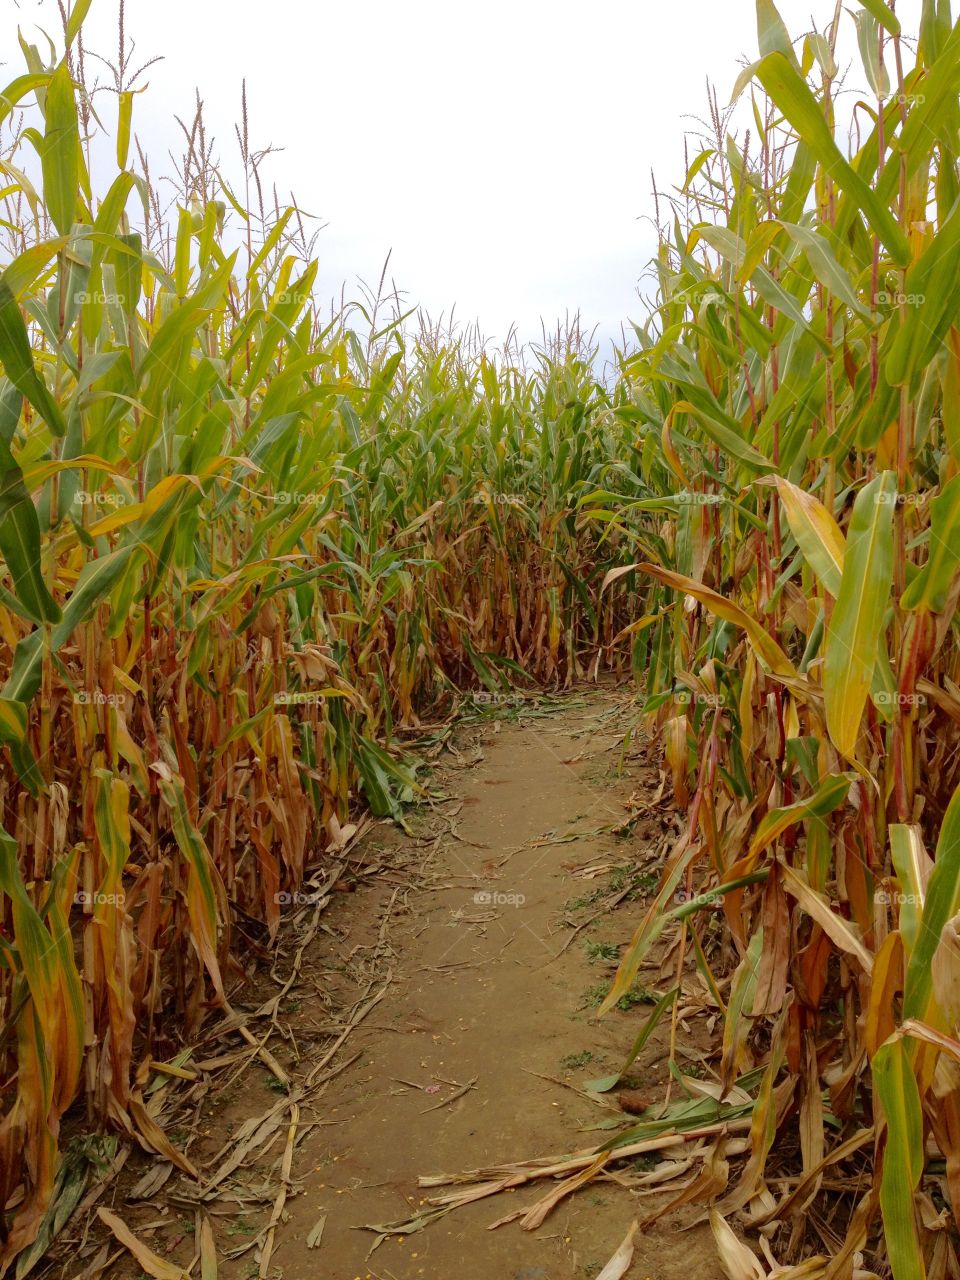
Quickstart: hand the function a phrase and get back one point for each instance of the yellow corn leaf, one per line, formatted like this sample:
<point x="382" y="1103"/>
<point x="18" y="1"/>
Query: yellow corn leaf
<point x="771" y="656"/>
<point x="817" y="533"/>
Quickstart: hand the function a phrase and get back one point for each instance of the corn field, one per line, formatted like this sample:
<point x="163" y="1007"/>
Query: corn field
<point x="248" y="548"/>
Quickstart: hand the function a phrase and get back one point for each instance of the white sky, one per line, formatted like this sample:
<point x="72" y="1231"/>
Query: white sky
<point x="501" y="150"/>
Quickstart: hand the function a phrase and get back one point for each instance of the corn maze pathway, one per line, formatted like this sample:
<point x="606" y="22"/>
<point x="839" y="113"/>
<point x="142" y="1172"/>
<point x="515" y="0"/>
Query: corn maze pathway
<point x="483" y="1031"/>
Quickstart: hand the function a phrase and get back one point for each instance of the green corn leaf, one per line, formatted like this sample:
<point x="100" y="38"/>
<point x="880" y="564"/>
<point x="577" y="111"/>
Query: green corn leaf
<point x="96" y="580"/>
<point x="868" y="38"/>
<point x="913" y="867"/>
<point x="932" y="304"/>
<point x="124" y="123"/>
<point x="743" y="986"/>
<point x="823" y="262"/>
<point x="47" y="963"/>
<point x="934" y="103"/>
<point x="772" y="33"/>
<point x="18" y="89"/>
<point x="607" y="1083"/>
<point x="23" y="272"/>
<point x="20" y="542"/>
<point x="77" y="17"/>
<point x="181" y="273"/>
<point x="17" y="360"/>
<point x="930" y="587"/>
<point x="883" y="15"/>
<point x="896" y="1087"/>
<point x="660" y="915"/>
<point x="857" y="620"/>
<point x="730" y="441"/>
<point x="829" y="795"/>
<point x="794" y="99"/>
<point x="819" y="48"/>
<point x="934" y="30"/>
<point x="61" y="150"/>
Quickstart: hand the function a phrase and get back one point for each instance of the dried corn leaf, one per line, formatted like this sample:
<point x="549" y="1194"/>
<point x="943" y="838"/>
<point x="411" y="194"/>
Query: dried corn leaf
<point x="148" y="1261"/>
<point x="739" y="1262"/>
<point x="619" y="1264"/>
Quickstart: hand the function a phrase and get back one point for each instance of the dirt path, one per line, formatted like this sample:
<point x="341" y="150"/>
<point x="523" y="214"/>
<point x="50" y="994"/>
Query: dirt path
<point x="447" y="1012"/>
<point x="477" y="994"/>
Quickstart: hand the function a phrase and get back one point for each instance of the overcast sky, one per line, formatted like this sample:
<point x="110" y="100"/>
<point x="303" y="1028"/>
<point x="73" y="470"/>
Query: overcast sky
<point x="502" y="151"/>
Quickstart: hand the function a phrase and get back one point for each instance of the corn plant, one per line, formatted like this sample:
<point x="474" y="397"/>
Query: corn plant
<point x="796" y="397"/>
